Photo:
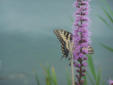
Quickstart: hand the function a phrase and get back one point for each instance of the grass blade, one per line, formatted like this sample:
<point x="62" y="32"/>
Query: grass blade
<point x="108" y="15"/>
<point x="47" y="75"/>
<point x="108" y="7"/>
<point x="102" y="19"/>
<point x="54" y="76"/>
<point x="107" y="47"/>
<point x="98" y="79"/>
<point x="91" y="66"/>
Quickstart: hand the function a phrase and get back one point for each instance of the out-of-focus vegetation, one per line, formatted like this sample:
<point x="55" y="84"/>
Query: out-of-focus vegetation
<point x="108" y="12"/>
<point x="50" y="76"/>
<point x="92" y="77"/>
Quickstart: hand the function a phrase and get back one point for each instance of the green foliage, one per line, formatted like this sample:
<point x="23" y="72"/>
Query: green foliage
<point x="108" y="7"/>
<point x="91" y="66"/>
<point x="96" y="75"/>
<point x="54" y="79"/>
<point x="50" y="75"/>
<point x="51" y="79"/>
<point x="104" y="20"/>
<point x="108" y="13"/>
<point x="107" y="47"/>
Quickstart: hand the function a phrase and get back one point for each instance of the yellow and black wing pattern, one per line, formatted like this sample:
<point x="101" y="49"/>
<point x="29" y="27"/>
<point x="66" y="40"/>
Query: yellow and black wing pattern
<point x="65" y="38"/>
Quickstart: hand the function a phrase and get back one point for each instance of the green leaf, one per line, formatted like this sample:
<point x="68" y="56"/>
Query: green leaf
<point x="107" y="47"/>
<point x="108" y="15"/>
<point x="47" y="75"/>
<point x="91" y="66"/>
<point x="54" y="76"/>
<point x="108" y="12"/>
<point x="102" y="19"/>
<point x="98" y="78"/>
<point x="108" y="7"/>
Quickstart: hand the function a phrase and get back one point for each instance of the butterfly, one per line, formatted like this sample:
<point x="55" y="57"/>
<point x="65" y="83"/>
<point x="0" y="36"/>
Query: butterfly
<point x="66" y="41"/>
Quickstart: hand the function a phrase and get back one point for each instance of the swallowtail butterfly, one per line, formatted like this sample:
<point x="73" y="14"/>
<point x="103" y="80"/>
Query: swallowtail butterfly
<point x="65" y="39"/>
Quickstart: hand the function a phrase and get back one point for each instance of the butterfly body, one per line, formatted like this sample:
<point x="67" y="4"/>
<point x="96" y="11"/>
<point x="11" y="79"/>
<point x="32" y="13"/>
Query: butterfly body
<point x="67" y="45"/>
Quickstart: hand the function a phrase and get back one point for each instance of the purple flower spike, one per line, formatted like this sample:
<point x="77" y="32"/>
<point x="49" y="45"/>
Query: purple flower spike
<point x="110" y="82"/>
<point x="85" y="64"/>
<point x="80" y="38"/>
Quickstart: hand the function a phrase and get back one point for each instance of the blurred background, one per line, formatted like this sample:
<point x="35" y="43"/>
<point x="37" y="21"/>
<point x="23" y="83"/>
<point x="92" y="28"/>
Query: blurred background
<point x="27" y="39"/>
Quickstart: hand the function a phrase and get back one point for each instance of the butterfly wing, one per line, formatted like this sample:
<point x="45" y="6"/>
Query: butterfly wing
<point x="65" y="38"/>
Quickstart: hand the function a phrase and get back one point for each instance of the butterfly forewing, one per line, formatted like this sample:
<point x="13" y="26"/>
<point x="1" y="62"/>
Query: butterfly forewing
<point x="65" y="38"/>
